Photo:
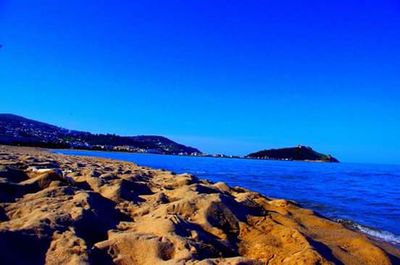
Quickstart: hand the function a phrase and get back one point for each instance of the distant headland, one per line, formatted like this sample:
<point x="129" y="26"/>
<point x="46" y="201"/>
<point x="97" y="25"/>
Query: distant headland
<point x="300" y="152"/>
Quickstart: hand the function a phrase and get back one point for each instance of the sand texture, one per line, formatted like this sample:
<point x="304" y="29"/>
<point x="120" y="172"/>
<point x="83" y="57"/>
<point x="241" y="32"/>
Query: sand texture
<point x="57" y="209"/>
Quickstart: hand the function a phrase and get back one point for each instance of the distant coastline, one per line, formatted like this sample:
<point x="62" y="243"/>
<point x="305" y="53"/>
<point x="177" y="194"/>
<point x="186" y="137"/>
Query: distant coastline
<point x="20" y="131"/>
<point x="203" y="155"/>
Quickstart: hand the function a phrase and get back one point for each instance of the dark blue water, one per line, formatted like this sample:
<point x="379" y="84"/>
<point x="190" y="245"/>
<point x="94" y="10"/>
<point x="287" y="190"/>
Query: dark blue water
<point x="365" y="194"/>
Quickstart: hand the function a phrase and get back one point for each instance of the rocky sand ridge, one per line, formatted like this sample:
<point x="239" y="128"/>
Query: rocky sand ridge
<point x="57" y="209"/>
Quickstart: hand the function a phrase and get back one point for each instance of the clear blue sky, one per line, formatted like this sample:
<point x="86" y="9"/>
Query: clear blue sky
<point x="224" y="76"/>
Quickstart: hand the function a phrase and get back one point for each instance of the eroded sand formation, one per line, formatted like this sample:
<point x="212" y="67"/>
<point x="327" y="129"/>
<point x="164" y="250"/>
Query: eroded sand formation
<point x="57" y="209"/>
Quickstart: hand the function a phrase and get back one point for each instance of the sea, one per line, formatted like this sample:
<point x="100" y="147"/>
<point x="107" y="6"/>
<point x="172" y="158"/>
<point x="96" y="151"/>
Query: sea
<point x="365" y="197"/>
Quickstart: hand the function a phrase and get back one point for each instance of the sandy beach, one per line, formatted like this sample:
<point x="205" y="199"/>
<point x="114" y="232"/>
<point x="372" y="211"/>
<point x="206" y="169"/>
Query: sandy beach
<point x="57" y="209"/>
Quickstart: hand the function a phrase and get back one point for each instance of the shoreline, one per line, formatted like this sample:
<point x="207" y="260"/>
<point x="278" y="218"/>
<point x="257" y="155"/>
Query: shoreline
<point x="376" y="233"/>
<point x="193" y="220"/>
<point x="239" y="158"/>
<point x="218" y="156"/>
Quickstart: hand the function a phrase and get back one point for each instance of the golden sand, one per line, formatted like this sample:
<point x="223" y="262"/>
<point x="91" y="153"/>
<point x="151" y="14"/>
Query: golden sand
<point x="57" y="209"/>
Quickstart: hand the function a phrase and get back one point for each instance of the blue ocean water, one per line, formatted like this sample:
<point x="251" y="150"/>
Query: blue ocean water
<point x="365" y="195"/>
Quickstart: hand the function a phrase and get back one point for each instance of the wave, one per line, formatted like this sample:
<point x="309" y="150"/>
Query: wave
<point x="375" y="233"/>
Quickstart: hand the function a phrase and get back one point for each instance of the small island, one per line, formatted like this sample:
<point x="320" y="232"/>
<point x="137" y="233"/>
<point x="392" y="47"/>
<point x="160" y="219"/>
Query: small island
<point x="299" y="153"/>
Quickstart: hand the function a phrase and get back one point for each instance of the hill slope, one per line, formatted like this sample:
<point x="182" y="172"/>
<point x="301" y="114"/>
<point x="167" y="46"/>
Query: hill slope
<point x="17" y="130"/>
<point x="293" y="153"/>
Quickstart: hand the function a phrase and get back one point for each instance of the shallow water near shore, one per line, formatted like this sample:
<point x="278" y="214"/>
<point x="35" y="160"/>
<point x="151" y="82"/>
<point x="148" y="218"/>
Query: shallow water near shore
<point x="364" y="196"/>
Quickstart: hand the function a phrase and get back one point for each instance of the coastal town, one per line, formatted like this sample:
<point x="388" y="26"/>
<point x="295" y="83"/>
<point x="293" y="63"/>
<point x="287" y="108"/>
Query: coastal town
<point x="16" y="130"/>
